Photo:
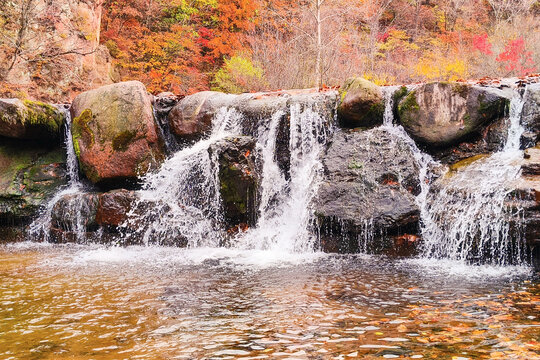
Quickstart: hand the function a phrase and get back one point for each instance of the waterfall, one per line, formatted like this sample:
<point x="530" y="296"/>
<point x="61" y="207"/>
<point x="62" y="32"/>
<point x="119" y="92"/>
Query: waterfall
<point x="466" y="219"/>
<point x="40" y="227"/>
<point x="181" y="203"/>
<point x="285" y="212"/>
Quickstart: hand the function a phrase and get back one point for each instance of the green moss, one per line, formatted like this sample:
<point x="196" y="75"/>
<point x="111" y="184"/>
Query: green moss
<point x="461" y="89"/>
<point x="408" y="107"/>
<point x="355" y="165"/>
<point x="122" y="141"/>
<point x="400" y="93"/>
<point x="81" y="130"/>
<point x="39" y="113"/>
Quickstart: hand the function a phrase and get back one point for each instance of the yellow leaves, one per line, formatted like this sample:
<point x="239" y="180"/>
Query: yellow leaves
<point x="380" y="79"/>
<point x="435" y="66"/>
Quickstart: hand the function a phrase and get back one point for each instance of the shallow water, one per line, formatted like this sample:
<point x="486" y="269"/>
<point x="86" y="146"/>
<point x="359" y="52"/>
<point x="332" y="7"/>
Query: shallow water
<point x="83" y="302"/>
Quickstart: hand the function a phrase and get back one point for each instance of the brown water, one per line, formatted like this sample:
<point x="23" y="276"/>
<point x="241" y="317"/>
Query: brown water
<point x="80" y="302"/>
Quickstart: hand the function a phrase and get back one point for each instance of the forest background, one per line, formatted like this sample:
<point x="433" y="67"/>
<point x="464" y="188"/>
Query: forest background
<point x="53" y="49"/>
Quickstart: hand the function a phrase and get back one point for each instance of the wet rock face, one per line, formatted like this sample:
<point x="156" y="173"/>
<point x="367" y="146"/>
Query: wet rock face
<point x="361" y="105"/>
<point x="114" y="206"/>
<point x="530" y="117"/>
<point x="238" y="179"/>
<point x="370" y="181"/>
<point x="75" y="213"/>
<point x="115" y="135"/>
<point x="442" y="114"/>
<point x="30" y="120"/>
<point x="29" y="176"/>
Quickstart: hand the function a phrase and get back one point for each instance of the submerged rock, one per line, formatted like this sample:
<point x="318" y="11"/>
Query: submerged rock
<point x="30" y="174"/>
<point x="238" y="179"/>
<point x="442" y="114"/>
<point x="361" y="105"/>
<point x="369" y="189"/>
<point x="115" y="135"/>
<point x="30" y="120"/>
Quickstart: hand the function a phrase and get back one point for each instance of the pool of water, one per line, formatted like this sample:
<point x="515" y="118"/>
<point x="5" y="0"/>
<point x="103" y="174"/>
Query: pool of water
<point x="85" y="302"/>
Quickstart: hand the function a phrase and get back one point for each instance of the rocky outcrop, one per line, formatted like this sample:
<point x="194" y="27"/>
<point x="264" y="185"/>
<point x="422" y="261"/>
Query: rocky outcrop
<point x="73" y="216"/>
<point x="238" y="179"/>
<point x="530" y="116"/>
<point x="62" y="52"/>
<point x="442" y="114"/>
<point x="115" y="135"/>
<point x="361" y="104"/>
<point x="30" y="120"/>
<point x="368" y="189"/>
<point x="29" y="176"/>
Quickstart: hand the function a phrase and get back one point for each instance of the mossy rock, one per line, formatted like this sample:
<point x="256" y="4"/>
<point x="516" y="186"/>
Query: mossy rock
<point x="442" y="114"/>
<point x="30" y="120"/>
<point x="361" y="104"/>
<point x="30" y="174"/>
<point x="115" y="134"/>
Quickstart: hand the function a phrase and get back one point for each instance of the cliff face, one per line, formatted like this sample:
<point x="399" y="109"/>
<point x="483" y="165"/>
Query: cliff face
<point x="51" y="49"/>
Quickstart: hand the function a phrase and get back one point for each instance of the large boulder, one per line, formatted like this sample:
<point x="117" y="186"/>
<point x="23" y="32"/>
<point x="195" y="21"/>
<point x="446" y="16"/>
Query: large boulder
<point x="115" y="134"/>
<point x="361" y="104"/>
<point x="238" y="179"/>
<point x="369" y="188"/>
<point x="29" y="176"/>
<point x="530" y="116"/>
<point x="192" y="117"/>
<point x="442" y="114"/>
<point x="30" y="120"/>
<point x="75" y="214"/>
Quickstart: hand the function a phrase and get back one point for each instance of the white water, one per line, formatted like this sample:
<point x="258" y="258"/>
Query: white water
<point x="467" y="218"/>
<point x="181" y="202"/>
<point x="40" y="227"/>
<point x="285" y="209"/>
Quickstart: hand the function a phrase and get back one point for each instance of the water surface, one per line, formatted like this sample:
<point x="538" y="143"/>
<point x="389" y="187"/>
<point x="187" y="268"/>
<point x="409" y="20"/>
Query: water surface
<point x="84" y="302"/>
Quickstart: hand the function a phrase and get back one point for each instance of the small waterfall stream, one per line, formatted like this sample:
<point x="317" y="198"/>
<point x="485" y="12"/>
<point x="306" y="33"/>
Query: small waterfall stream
<point x="40" y="227"/>
<point x="285" y="212"/>
<point x="466" y="219"/>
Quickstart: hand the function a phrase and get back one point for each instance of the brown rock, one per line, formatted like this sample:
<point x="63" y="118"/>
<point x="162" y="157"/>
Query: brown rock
<point x="115" y="135"/>
<point x="114" y="206"/>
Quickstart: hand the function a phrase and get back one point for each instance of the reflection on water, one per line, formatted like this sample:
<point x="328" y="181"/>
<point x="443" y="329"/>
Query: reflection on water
<point x="79" y="302"/>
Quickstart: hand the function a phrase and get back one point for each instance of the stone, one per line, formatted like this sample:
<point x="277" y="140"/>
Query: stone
<point x="369" y="187"/>
<point x="442" y="114"/>
<point x="238" y="178"/>
<point x="164" y="102"/>
<point x="114" y="206"/>
<point x="30" y="120"/>
<point x="192" y="117"/>
<point x="361" y="104"/>
<point x="115" y="134"/>
<point x="30" y="175"/>
<point x="75" y="213"/>
<point x="530" y="115"/>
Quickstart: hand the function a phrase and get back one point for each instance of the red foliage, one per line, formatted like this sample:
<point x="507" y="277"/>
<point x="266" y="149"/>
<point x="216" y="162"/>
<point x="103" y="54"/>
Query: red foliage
<point x="482" y="44"/>
<point x="517" y="58"/>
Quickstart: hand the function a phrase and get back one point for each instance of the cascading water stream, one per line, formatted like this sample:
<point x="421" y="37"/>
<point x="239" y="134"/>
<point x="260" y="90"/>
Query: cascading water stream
<point x="39" y="228"/>
<point x="285" y="212"/>
<point x="466" y="219"/>
<point x="181" y="203"/>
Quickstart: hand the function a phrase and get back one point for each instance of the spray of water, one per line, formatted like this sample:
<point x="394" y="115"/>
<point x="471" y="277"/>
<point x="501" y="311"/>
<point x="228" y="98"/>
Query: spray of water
<point x="467" y="218"/>
<point x="181" y="203"/>
<point x="285" y="209"/>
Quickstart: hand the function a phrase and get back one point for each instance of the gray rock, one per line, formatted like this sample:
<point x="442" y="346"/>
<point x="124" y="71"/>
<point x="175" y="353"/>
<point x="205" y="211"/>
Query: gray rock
<point x="361" y="104"/>
<point x="370" y="183"/>
<point x="530" y="116"/>
<point x="238" y="178"/>
<point x="442" y="114"/>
